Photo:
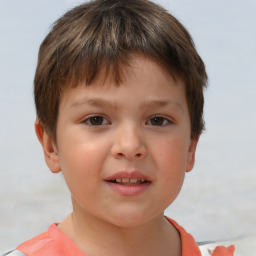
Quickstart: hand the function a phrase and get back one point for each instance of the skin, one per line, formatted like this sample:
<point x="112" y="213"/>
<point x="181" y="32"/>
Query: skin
<point x="102" y="130"/>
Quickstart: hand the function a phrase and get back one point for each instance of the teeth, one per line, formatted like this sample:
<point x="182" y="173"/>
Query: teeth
<point x="125" y="180"/>
<point x="132" y="181"/>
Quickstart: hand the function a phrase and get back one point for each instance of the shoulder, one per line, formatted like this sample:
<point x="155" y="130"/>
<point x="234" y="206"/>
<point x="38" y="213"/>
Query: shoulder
<point x="43" y="244"/>
<point x="217" y="250"/>
<point x="14" y="253"/>
<point x="189" y="246"/>
<point x="52" y="242"/>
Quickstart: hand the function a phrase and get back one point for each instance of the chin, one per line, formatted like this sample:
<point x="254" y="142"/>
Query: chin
<point x="130" y="219"/>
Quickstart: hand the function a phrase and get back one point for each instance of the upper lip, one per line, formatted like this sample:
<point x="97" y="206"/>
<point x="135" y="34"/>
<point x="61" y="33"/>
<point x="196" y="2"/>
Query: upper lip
<point x="128" y="175"/>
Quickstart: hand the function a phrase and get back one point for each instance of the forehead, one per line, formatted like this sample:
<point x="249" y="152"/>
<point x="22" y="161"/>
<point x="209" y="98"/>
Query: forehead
<point x="142" y="76"/>
<point x="116" y="74"/>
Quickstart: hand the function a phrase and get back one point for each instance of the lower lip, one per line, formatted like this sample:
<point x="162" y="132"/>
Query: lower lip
<point x="129" y="190"/>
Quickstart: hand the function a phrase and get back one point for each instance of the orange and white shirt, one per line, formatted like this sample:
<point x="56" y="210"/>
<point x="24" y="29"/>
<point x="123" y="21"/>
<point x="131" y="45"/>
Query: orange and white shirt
<point x="55" y="242"/>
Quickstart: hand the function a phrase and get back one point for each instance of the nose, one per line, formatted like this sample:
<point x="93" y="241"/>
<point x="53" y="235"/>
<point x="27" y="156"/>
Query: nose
<point x="129" y="145"/>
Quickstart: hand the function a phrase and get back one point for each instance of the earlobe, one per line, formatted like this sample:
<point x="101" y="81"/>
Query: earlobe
<point x="49" y="148"/>
<point x="191" y="154"/>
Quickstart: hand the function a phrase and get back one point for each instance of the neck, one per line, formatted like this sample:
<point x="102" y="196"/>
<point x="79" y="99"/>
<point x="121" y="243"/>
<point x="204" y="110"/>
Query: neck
<point x="96" y="237"/>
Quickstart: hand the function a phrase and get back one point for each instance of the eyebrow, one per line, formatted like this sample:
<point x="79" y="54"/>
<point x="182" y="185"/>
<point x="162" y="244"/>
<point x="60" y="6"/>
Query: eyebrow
<point x="99" y="102"/>
<point x="161" y="103"/>
<point x="96" y="102"/>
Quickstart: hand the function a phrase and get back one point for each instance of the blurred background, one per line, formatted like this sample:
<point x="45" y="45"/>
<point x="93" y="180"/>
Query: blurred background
<point x="218" y="200"/>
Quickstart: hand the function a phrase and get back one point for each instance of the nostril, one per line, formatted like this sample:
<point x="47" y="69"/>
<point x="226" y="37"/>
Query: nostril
<point x="121" y="151"/>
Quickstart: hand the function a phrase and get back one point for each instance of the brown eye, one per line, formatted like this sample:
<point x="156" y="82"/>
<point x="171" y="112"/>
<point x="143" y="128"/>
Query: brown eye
<point x="96" y="121"/>
<point x="158" y="121"/>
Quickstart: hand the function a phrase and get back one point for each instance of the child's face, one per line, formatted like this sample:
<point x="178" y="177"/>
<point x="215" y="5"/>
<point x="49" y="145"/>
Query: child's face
<point x="124" y="150"/>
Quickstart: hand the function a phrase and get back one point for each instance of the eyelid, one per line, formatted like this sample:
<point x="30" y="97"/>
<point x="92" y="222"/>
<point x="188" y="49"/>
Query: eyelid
<point x="169" y="120"/>
<point x="87" y="119"/>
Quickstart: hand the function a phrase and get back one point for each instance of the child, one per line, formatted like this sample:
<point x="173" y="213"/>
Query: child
<point x="119" y="98"/>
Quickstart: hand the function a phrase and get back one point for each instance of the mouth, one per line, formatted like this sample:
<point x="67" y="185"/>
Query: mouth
<point x="128" y="182"/>
<point x="128" y="178"/>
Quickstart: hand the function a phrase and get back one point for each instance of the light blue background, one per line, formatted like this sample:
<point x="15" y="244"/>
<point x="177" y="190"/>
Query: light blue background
<point x="218" y="200"/>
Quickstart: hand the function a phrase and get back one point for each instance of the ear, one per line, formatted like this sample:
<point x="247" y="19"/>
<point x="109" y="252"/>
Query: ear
<point x="49" y="148"/>
<point x="191" y="154"/>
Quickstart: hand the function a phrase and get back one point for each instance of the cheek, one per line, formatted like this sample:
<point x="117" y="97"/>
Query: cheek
<point x="171" y="160"/>
<point x="82" y="162"/>
<point x="81" y="171"/>
<point x="172" y="153"/>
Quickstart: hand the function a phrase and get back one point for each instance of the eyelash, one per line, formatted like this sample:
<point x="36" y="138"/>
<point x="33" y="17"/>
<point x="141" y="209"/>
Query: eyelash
<point x="98" y="120"/>
<point x="95" y="118"/>
<point x="164" y="121"/>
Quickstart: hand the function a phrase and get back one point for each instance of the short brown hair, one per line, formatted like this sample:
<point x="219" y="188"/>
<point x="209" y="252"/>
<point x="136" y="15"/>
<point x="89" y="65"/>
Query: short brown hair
<point x="102" y="35"/>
